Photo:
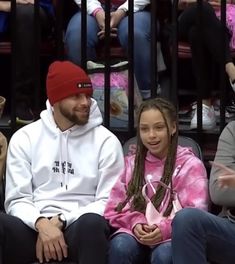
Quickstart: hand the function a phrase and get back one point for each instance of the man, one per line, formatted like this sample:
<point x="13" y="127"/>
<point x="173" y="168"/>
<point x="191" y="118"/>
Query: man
<point x="3" y="152"/>
<point x="60" y="170"/>
<point x="25" y="49"/>
<point x="199" y="236"/>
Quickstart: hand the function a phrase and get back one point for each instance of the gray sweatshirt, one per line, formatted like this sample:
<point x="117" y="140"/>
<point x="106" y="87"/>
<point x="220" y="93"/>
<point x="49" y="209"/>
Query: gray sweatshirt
<point x="225" y="154"/>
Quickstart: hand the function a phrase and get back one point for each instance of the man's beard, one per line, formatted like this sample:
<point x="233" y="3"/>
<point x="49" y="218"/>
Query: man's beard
<point x="72" y="117"/>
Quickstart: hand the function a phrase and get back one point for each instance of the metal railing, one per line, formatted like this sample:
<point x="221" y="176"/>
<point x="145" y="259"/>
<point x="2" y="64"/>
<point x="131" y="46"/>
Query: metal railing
<point x="130" y="130"/>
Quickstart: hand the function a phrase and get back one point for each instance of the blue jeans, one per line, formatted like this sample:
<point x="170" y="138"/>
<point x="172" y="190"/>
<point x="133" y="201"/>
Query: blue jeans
<point x="198" y="236"/>
<point x="125" y="249"/>
<point x="142" y="28"/>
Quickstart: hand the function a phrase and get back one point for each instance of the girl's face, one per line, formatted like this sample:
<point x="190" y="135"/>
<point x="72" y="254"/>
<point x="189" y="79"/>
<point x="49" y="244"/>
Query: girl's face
<point x="153" y="132"/>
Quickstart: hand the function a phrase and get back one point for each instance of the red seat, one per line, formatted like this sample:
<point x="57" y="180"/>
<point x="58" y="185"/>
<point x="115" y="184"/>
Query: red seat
<point x="47" y="47"/>
<point x="184" y="51"/>
<point x="116" y="50"/>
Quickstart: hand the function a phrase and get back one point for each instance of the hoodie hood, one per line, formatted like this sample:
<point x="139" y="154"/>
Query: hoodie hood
<point x="183" y="153"/>
<point x="95" y="119"/>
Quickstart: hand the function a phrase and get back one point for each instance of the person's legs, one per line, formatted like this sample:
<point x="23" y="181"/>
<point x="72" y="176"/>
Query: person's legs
<point x="87" y="239"/>
<point x="142" y="28"/>
<point x="203" y="69"/>
<point x="162" y="254"/>
<point x="124" y="249"/>
<point x="203" y="61"/>
<point x="25" y="58"/>
<point x="198" y="236"/>
<point x="73" y="38"/>
<point x="17" y="241"/>
<point x="210" y="34"/>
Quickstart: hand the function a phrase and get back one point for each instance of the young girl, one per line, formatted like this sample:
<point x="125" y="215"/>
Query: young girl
<point x="157" y="158"/>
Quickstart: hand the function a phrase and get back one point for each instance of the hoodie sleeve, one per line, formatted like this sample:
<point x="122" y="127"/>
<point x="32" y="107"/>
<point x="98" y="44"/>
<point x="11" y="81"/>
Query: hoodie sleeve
<point x="126" y="219"/>
<point x="111" y="165"/>
<point x="138" y="5"/>
<point x="191" y="186"/>
<point x="92" y="5"/>
<point x="19" y="193"/>
<point x="225" y="154"/>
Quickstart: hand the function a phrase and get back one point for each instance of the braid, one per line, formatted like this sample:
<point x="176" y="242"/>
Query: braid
<point x="134" y="190"/>
<point x="170" y="159"/>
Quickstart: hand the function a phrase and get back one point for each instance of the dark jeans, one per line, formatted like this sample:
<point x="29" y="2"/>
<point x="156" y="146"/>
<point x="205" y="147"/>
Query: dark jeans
<point x="87" y="240"/>
<point x="198" y="236"/>
<point x="25" y="49"/>
<point x="206" y="44"/>
<point x="124" y="249"/>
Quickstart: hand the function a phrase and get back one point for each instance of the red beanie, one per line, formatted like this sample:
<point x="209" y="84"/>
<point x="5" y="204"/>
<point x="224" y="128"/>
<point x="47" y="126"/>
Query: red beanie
<point x="65" y="79"/>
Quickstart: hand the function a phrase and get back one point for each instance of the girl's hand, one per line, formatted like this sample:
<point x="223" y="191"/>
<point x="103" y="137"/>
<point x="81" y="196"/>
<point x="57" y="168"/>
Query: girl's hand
<point x="139" y="231"/>
<point x="116" y="17"/>
<point x="100" y="18"/>
<point x="152" y="237"/>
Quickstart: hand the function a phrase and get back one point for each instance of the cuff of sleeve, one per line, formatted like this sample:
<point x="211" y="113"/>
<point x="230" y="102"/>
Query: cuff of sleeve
<point x="165" y="229"/>
<point x="139" y="220"/>
<point x="96" y="11"/>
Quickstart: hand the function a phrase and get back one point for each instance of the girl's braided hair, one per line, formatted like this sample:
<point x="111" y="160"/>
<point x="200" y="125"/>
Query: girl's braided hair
<point x="134" y="190"/>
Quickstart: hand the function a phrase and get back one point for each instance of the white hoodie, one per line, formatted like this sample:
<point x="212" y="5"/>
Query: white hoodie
<point x="92" y="5"/>
<point x="51" y="172"/>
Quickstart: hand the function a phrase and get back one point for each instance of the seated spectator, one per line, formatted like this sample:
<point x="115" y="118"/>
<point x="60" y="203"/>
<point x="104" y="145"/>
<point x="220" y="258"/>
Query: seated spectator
<point x="206" y="45"/>
<point x="119" y="28"/>
<point x="25" y="54"/>
<point x="203" y="236"/>
<point x="158" y="160"/>
<point x="3" y="152"/>
<point x="60" y="171"/>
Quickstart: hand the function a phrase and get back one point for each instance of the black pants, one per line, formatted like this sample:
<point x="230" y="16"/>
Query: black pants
<point x="25" y="49"/>
<point x="206" y="44"/>
<point x="87" y="240"/>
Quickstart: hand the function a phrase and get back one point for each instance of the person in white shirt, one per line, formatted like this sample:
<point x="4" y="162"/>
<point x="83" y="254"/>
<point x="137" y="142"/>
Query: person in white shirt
<point x="119" y="29"/>
<point x="60" y="170"/>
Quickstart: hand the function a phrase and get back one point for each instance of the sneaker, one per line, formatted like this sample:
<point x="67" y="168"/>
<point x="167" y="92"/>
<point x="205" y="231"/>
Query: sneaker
<point x="208" y="118"/>
<point x="24" y="115"/>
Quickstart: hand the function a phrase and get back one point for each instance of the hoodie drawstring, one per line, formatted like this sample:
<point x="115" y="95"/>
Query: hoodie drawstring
<point x="64" y="166"/>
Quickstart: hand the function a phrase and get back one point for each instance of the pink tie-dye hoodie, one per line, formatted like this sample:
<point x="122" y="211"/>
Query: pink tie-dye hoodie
<point x="190" y="183"/>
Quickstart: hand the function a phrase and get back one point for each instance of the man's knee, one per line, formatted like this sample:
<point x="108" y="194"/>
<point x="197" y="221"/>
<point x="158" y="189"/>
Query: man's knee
<point x="187" y="218"/>
<point x="92" y="222"/>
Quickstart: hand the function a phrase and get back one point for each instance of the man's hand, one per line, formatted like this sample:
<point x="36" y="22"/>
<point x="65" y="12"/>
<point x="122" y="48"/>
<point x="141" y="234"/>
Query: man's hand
<point x="50" y="242"/>
<point x="227" y="177"/>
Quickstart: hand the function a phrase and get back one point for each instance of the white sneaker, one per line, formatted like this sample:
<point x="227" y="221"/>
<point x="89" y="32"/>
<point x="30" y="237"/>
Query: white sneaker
<point x="208" y="118"/>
